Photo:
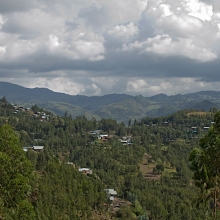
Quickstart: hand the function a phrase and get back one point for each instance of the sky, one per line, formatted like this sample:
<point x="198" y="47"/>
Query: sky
<point x="99" y="47"/>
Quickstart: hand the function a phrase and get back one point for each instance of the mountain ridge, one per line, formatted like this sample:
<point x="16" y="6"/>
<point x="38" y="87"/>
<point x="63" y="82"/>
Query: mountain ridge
<point x="121" y="107"/>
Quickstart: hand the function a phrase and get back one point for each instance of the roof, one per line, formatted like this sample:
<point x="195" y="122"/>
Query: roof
<point x="111" y="192"/>
<point x="103" y="135"/>
<point x="92" y="132"/>
<point x="122" y="141"/>
<point x="38" y="147"/>
<point x="84" y="169"/>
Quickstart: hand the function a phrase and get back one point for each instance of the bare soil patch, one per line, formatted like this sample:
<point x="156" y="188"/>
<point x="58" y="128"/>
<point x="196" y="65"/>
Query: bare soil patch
<point x="146" y="168"/>
<point x="199" y="113"/>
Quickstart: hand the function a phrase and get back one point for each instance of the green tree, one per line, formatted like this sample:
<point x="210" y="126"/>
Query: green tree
<point x="160" y="167"/>
<point x="205" y="165"/>
<point x="138" y="210"/>
<point x="15" y="171"/>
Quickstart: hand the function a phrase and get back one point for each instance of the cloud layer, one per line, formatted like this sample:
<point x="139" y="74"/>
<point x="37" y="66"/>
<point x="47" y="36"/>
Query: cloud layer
<point x="98" y="47"/>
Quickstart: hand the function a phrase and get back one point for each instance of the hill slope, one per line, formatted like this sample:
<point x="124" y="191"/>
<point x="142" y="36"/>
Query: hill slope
<point x="117" y="106"/>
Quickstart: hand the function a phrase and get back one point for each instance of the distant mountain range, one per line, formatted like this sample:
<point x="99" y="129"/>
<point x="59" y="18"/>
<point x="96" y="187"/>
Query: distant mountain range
<point x="121" y="107"/>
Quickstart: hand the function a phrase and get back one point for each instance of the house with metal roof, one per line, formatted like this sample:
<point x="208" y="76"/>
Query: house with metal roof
<point x="85" y="170"/>
<point x="111" y="193"/>
<point x="38" y="148"/>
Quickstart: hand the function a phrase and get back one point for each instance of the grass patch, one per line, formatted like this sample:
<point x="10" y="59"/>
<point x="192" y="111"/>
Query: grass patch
<point x="170" y="171"/>
<point x="199" y="113"/>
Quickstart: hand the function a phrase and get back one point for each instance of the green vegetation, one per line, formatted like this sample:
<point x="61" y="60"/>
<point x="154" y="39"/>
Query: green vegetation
<point x="145" y="162"/>
<point x="15" y="172"/>
<point x="205" y="164"/>
<point x="116" y="106"/>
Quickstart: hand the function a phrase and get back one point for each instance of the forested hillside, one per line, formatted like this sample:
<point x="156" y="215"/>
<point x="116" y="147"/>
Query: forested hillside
<point x="146" y="163"/>
<point x="120" y="107"/>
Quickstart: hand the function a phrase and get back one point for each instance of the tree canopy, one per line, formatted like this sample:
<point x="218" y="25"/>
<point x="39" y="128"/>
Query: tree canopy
<point x="15" y="171"/>
<point x="59" y="191"/>
<point x="205" y="163"/>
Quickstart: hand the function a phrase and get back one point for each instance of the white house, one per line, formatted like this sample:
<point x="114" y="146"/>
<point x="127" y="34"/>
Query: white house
<point x="38" y="148"/>
<point x="85" y="170"/>
<point x="111" y="193"/>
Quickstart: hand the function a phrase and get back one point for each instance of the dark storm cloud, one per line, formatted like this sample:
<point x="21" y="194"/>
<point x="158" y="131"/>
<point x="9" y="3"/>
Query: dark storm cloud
<point x="9" y="6"/>
<point x="12" y="27"/>
<point x="122" y="64"/>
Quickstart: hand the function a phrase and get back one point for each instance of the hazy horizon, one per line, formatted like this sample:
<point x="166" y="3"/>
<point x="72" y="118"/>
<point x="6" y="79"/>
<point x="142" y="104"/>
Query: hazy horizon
<point x="112" y="92"/>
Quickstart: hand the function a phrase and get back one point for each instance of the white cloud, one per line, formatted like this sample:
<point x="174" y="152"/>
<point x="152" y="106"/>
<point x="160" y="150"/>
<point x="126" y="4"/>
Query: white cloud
<point x="32" y="24"/>
<point x="199" y="10"/>
<point x="183" y="25"/>
<point x="166" y="10"/>
<point x="93" y="89"/>
<point x="2" y="50"/>
<point x="54" y="42"/>
<point x="58" y="84"/>
<point x="114" y="46"/>
<point x="130" y="85"/>
<point x="89" y="49"/>
<point x="88" y="46"/>
<point x="125" y="31"/>
<point x="138" y="85"/>
<point x="3" y="19"/>
<point x="16" y="50"/>
<point x="149" y="87"/>
<point x="166" y="46"/>
<point x="183" y="47"/>
<point x="124" y="11"/>
<point x="106" y="82"/>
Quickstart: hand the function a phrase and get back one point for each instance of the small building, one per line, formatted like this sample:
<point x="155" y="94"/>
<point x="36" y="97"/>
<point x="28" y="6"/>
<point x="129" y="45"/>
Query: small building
<point x="103" y="136"/>
<point x="92" y="133"/>
<point x="165" y="123"/>
<point x="38" y="148"/>
<point x="85" y="171"/>
<point x="205" y="128"/>
<point x="71" y="163"/>
<point x="126" y="140"/>
<point x="27" y="148"/>
<point x="111" y="193"/>
<point x="43" y="118"/>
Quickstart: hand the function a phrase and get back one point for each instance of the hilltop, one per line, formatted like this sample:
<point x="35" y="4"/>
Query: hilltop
<point x="121" y="107"/>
